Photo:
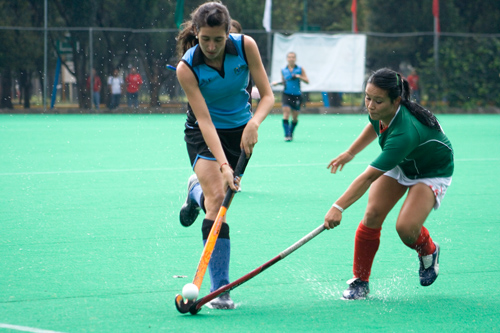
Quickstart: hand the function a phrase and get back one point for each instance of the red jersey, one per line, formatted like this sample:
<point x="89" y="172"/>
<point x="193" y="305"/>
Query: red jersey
<point x="97" y="83"/>
<point x="413" y="82"/>
<point x="134" y="81"/>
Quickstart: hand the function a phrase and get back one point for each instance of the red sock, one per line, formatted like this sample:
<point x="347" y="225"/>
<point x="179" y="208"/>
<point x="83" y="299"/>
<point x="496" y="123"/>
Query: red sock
<point x="366" y="245"/>
<point x="424" y="244"/>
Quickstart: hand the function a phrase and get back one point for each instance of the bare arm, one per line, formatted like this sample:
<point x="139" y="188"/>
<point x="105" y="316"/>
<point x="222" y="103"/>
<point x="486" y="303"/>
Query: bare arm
<point x="190" y="86"/>
<point x="303" y="76"/>
<point x="355" y="191"/>
<point x="259" y="75"/>
<point x="277" y="83"/>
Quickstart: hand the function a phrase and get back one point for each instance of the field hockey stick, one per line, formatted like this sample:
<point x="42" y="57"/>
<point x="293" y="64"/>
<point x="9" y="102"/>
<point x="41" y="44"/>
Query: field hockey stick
<point x="214" y="234"/>
<point x="277" y="83"/>
<point x="172" y="68"/>
<point x="195" y="306"/>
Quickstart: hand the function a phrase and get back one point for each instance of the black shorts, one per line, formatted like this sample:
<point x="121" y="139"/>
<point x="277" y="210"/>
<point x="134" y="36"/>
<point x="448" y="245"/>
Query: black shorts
<point x="197" y="148"/>
<point x="292" y="101"/>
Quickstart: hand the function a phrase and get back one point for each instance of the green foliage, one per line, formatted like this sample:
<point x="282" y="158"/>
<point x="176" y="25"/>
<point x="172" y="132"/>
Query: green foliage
<point x="467" y="73"/>
<point x="465" y="78"/>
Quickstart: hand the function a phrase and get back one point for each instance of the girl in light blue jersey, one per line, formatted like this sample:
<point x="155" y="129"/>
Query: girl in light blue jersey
<point x="291" y="75"/>
<point x="416" y="158"/>
<point x="214" y="73"/>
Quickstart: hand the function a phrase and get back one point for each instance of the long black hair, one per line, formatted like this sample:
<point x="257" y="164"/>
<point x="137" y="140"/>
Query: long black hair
<point x="211" y="14"/>
<point x="397" y="86"/>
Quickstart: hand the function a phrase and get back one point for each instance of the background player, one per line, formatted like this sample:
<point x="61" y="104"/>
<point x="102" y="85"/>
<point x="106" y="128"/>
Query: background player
<point x="291" y="76"/>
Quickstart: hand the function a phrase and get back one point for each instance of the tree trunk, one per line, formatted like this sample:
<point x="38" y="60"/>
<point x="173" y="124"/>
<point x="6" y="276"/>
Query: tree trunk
<point x="25" y="87"/>
<point x="155" y="84"/>
<point x="6" y="99"/>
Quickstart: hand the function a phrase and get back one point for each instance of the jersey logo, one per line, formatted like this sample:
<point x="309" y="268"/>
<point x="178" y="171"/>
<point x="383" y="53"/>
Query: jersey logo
<point x="238" y="70"/>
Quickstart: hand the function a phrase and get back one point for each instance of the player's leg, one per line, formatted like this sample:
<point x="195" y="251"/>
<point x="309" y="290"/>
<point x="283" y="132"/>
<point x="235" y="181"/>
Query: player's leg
<point x="136" y="100"/>
<point x="214" y="191"/>
<point x="211" y="182"/>
<point x="295" y="121"/>
<point x="195" y="201"/>
<point x="286" y="121"/>
<point x="410" y="226"/>
<point x="384" y="193"/>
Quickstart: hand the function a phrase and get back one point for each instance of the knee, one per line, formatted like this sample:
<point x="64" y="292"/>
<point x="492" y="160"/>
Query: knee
<point x="214" y="201"/>
<point x="373" y="218"/>
<point x="407" y="232"/>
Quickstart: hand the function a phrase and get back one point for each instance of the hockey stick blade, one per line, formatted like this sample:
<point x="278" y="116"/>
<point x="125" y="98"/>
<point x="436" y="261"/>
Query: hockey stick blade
<point x="183" y="306"/>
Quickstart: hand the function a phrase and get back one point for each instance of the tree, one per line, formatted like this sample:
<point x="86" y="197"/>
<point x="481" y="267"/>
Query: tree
<point x="20" y="51"/>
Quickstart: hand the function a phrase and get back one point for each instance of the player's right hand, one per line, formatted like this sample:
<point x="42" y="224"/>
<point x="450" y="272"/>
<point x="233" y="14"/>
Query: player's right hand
<point x="332" y="218"/>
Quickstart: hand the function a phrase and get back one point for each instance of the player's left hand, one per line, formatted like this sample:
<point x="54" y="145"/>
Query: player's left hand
<point x="249" y="137"/>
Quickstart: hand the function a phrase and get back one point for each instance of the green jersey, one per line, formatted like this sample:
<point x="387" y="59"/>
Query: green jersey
<point x="420" y="151"/>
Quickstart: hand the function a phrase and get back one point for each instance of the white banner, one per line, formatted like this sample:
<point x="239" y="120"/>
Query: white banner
<point x="333" y="63"/>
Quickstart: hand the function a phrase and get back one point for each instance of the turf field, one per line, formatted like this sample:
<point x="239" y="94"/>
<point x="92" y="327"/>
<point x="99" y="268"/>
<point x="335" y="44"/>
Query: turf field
<point x="90" y="239"/>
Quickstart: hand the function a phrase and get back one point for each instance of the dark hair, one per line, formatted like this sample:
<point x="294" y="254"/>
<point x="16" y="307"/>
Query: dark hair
<point x="211" y="14"/>
<point x="397" y="86"/>
<point x="237" y="26"/>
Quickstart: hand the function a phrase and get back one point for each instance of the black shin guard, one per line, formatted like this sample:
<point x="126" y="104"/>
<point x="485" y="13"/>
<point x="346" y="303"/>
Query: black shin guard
<point x="207" y="226"/>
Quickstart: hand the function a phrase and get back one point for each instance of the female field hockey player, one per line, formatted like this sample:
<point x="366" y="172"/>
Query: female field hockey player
<point x="416" y="157"/>
<point x="291" y="76"/>
<point x="214" y="73"/>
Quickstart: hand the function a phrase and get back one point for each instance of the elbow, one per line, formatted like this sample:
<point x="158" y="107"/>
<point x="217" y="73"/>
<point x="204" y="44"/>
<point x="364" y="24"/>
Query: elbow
<point x="371" y="174"/>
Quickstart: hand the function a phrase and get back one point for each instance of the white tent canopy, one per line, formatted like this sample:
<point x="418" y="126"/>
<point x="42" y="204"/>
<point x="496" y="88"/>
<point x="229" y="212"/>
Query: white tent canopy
<point x="333" y="63"/>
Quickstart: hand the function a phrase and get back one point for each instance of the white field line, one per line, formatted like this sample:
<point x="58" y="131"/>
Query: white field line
<point x="26" y="329"/>
<point x="183" y="168"/>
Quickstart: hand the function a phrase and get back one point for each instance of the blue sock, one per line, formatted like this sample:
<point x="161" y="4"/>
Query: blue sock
<point x="286" y="127"/>
<point x="218" y="267"/>
<point x="196" y="193"/>
<point x="292" y="128"/>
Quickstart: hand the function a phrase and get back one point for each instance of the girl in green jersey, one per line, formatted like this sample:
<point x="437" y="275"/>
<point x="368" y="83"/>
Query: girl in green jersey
<point x="416" y="158"/>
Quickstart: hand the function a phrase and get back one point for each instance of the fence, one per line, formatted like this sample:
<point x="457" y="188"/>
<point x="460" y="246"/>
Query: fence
<point x="150" y="50"/>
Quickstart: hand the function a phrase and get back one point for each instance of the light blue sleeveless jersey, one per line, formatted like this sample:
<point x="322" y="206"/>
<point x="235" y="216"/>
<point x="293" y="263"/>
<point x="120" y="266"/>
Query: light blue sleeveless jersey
<point x="225" y="92"/>
<point x="292" y="86"/>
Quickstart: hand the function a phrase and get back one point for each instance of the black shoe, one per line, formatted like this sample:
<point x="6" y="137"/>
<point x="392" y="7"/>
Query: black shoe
<point x="429" y="275"/>
<point x="190" y="209"/>
<point x="223" y="302"/>
<point x="357" y="289"/>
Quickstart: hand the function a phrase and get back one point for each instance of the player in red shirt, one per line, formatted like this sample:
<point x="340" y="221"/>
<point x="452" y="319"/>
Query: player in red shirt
<point x="413" y="81"/>
<point x="96" y="89"/>
<point x="134" y="82"/>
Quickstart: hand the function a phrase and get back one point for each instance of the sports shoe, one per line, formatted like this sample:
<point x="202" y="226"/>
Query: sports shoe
<point x="190" y="209"/>
<point x="358" y="289"/>
<point x="288" y="138"/>
<point x="223" y="302"/>
<point x="429" y="267"/>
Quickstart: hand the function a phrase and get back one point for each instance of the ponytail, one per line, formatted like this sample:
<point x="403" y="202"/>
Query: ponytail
<point x="397" y="86"/>
<point x="186" y="38"/>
